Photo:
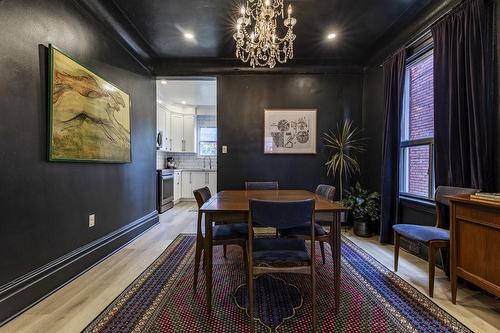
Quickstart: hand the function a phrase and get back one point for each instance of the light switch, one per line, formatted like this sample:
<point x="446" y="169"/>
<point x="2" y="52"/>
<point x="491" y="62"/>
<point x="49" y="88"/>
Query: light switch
<point x="91" y="220"/>
<point x="224" y="149"/>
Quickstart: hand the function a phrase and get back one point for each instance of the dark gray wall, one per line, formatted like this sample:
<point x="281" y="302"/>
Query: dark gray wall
<point x="373" y="127"/>
<point x="497" y="99"/>
<point x="241" y="103"/>
<point x="45" y="206"/>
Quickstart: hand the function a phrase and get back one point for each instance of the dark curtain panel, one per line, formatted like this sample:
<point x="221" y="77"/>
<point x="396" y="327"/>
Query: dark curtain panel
<point x="463" y="96"/>
<point x="394" y="76"/>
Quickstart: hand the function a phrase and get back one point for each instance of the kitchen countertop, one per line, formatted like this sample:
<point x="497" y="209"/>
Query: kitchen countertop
<point x="194" y="169"/>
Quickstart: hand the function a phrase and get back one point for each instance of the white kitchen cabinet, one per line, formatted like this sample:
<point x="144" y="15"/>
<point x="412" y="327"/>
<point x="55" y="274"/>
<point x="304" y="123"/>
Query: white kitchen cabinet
<point x="212" y="181"/>
<point x="183" y="130"/>
<point x="163" y="125"/>
<point x="188" y="126"/>
<point x="198" y="180"/>
<point x="177" y="186"/>
<point x="193" y="180"/>
<point x="160" y="125"/>
<point x="167" y="135"/>
<point x="187" y="189"/>
<point x="177" y="131"/>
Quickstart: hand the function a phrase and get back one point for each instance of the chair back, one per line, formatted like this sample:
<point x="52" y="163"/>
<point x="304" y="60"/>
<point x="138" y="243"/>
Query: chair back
<point x="281" y="214"/>
<point x="443" y="204"/>
<point x="202" y="195"/>
<point x="261" y="185"/>
<point x="326" y="191"/>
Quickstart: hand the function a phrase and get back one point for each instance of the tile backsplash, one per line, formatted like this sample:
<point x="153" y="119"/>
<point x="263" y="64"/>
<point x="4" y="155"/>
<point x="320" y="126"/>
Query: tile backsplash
<point x="184" y="160"/>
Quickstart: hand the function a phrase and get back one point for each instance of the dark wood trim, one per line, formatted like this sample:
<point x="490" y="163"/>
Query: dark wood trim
<point x="27" y="290"/>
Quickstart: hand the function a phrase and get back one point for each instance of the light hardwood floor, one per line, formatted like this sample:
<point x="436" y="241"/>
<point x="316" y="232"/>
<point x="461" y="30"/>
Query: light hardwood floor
<point x="74" y="306"/>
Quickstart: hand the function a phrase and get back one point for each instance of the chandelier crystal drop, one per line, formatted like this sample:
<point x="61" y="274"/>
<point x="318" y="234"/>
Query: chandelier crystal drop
<point x="256" y="35"/>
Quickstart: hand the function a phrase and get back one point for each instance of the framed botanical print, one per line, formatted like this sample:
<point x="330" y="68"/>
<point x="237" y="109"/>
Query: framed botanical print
<point x="89" y="118"/>
<point x="290" y="131"/>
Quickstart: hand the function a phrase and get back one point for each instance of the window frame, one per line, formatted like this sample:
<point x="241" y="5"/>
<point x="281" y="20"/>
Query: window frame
<point x="200" y="141"/>
<point x="421" y="54"/>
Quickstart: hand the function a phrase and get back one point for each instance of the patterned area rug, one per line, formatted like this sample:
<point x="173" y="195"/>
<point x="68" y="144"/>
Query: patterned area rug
<point x="372" y="299"/>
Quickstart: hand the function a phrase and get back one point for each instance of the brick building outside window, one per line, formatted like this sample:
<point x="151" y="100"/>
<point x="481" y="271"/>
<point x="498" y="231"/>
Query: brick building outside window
<point x="417" y="129"/>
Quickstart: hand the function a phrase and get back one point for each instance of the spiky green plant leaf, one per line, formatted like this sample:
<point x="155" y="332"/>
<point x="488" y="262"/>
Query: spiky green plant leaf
<point x="344" y="144"/>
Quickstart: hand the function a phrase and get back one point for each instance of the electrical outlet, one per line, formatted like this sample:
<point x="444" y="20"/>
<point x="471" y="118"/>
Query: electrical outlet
<point x="91" y="220"/>
<point x="224" y="149"/>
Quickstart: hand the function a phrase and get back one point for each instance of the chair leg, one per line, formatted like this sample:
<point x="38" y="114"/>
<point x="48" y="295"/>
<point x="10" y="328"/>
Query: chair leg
<point x="431" y="259"/>
<point x="332" y="248"/>
<point x="313" y="297"/>
<point x="225" y="251"/>
<point x="199" y="249"/>
<point x="245" y="257"/>
<point x="396" y="250"/>
<point x="322" y="247"/>
<point x="250" y="298"/>
<point x="197" y="257"/>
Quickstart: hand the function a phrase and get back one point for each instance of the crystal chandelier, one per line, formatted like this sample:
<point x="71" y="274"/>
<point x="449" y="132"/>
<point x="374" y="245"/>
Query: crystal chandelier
<point x="256" y="36"/>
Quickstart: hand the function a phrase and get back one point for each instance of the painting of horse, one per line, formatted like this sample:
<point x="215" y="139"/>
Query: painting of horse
<point x="89" y="118"/>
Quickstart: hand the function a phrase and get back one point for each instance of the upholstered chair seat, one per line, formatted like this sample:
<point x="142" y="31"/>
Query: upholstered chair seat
<point x="422" y="233"/>
<point x="229" y="231"/>
<point x="304" y="231"/>
<point x="279" y="250"/>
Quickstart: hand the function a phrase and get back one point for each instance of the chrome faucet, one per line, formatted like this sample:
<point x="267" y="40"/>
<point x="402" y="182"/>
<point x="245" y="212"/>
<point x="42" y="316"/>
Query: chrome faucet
<point x="209" y="162"/>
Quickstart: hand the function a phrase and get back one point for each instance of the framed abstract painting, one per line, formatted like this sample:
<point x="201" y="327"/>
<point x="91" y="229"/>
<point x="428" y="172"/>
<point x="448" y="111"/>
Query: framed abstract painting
<point x="290" y="131"/>
<point x="89" y="118"/>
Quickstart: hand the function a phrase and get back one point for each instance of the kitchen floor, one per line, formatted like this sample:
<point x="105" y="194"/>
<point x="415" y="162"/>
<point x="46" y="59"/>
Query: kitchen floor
<point x="74" y="306"/>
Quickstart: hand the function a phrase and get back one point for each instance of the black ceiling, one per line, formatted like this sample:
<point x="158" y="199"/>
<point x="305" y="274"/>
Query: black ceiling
<point x="160" y="24"/>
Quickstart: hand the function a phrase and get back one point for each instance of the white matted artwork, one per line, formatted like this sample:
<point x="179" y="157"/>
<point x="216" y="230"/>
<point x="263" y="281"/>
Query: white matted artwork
<point x="290" y="131"/>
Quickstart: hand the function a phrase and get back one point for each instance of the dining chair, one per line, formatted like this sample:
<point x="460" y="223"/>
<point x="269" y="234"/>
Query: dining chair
<point x="222" y="234"/>
<point x="435" y="237"/>
<point x="322" y="219"/>
<point x="261" y="185"/>
<point x="273" y="255"/>
<point x="273" y="185"/>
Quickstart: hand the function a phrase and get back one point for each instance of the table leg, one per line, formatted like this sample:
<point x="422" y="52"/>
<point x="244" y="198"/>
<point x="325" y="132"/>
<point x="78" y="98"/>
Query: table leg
<point x="208" y="260"/>
<point x="337" y="266"/>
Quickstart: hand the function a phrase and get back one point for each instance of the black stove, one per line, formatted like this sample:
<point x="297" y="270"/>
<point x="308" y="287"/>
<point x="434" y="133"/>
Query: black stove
<point x="165" y="189"/>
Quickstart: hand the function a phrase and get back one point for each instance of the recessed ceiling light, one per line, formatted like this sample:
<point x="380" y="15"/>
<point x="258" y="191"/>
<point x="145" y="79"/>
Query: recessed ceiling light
<point x="331" y="35"/>
<point x="188" y="35"/>
<point x="159" y="101"/>
<point x="183" y="102"/>
<point x="163" y="81"/>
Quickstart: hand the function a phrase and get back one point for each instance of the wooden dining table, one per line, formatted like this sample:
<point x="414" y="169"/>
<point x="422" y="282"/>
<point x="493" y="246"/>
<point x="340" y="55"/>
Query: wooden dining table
<point x="233" y="206"/>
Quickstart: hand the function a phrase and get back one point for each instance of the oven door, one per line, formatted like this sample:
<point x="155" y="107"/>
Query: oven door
<point x="167" y="189"/>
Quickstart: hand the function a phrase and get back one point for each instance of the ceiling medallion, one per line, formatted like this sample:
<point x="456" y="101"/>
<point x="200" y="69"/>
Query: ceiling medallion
<point x="256" y="36"/>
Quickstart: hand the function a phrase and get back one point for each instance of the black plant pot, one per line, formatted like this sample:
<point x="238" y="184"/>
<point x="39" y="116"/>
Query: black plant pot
<point x="362" y="227"/>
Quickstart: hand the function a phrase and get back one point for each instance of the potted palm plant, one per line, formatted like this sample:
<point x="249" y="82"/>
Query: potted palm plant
<point x="364" y="208"/>
<point x="344" y="145"/>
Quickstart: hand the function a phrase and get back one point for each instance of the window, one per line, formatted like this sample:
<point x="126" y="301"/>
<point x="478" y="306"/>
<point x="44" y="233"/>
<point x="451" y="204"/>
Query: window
<point x="417" y="129"/>
<point x="207" y="141"/>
